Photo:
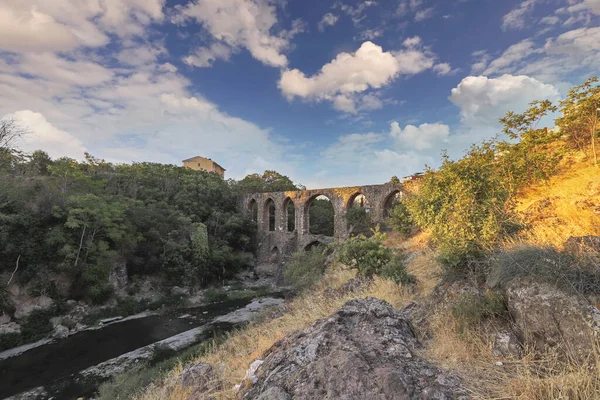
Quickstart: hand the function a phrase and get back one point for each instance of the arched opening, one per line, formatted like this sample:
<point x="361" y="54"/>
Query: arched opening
<point x="269" y="215"/>
<point x="358" y="200"/>
<point x="390" y="201"/>
<point x="320" y="214"/>
<point x="253" y="210"/>
<point x="274" y="256"/>
<point x="358" y="218"/>
<point x="312" y="245"/>
<point x="290" y="215"/>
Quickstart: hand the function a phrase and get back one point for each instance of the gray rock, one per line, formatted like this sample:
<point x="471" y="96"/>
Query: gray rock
<point x="25" y="305"/>
<point x="60" y="332"/>
<point x="506" y="344"/>
<point x="547" y="317"/>
<point x="249" y="312"/>
<point x="4" y="319"/>
<point x="11" y="327"/>
<point x="363" y="351"/>
<point x="118" y="277"/>
<point x="179" y="291"/>
<point x="201" y="378"/>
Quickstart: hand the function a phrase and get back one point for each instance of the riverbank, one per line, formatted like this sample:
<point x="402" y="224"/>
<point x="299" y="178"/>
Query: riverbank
<point x="59" y="363"/>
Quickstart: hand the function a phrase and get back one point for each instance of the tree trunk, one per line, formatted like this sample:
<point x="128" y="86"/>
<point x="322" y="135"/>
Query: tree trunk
<point x="80" y="245"/>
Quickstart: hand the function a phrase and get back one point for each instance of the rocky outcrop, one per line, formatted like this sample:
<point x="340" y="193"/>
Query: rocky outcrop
<point x="548" y="317"/>
<point x="199" y="380"/>
<point x="366" y="350"/>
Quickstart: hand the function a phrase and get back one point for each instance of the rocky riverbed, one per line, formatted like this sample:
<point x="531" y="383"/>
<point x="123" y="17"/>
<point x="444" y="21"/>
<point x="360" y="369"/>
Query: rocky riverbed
<point x="75" y="365"/>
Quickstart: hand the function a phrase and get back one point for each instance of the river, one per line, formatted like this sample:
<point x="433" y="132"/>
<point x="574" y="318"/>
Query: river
<point x="55" y="366"/>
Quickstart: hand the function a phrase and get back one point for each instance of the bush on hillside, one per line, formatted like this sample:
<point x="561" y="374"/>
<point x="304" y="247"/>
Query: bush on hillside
<point x="359" y="221"/>
<point x="305" y="268"/>
<point x="546" y="265"/>
<point x="400" y="220"/>
<point x="471" y="310"/>
<point x="370" y="257"/>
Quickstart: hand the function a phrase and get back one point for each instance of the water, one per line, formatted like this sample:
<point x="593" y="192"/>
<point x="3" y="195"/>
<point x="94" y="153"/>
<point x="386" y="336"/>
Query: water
<point x="55" y="365"/>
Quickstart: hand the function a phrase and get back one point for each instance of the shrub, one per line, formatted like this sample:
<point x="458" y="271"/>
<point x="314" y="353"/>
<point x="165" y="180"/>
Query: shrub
<point x="370" y="257"/>
<point x="37" y="325"/>
<point x="359" y="221"/>
<point x="399" y="219"/>
<point x="305" y="268"/>
<point x="544" y="264"/>
<point x="471" y="309"/>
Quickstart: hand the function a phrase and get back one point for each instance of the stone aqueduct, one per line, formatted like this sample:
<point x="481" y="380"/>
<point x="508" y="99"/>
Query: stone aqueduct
<point x="277" y="242"/>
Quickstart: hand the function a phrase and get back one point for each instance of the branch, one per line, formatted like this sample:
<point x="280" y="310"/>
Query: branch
<point x="14" y="272"/>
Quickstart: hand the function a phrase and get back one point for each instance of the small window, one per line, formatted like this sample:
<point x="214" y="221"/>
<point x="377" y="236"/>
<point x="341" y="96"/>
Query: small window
<point x="198" y="164"/>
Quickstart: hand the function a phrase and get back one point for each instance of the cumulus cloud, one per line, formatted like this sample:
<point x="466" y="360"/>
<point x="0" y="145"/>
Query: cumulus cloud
<point x="328" y="19"/>
<point x="61" y="25"/>
<point x="122" y="102"/>
<point x="483" y="100"/>
<point x="238" y="24"/>
<point x="424" y="136"/>
<point x="41" y="134"/>
<point x="349" y="74"/>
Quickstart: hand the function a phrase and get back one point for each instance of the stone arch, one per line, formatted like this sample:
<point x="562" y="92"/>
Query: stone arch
<point x="289" y="212"/>
<point x="269" y="210"/>
<point x="326" y="223"/>
<point x="358" y="199"/>
<point x="390" y="201"/>
<point x="252" y="208"/>
<point x="274" y="255"/>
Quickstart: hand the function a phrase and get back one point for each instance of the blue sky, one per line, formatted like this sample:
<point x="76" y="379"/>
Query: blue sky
<point x="331" y="93"/>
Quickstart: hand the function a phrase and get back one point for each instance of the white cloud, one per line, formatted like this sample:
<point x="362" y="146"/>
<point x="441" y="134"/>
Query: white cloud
<point x="517" y="17"/>
<point x="483" y="100"/>
<point x="240" y="24"/>
<point x="121" y="103"/>
<point x="43" y="135"/>
<point x="206" y="56"/>
<point x="575" y="50"/>
<point x="424" y="136"/>
<point x="550" y="20"/>
<point x="357" y="13"/>
<point x="443" y="69"/>
<point x="370" y="67"/>
<point x="511" y="55"/>
<point x="328" y="19"/>
<point x="422" y="15"/>
<point x="61" y="25"/>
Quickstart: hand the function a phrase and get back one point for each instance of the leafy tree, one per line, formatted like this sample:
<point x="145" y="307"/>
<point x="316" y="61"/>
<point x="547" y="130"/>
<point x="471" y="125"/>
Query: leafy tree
<point x="464" y="204"/>
<point x="269" y="181"/>
<point x="321" y="217"/>
<point x="580" y="113"/>
<point x="399" y="219"/>
<point x="370" y="257"/>
<point x="359" y="221"/>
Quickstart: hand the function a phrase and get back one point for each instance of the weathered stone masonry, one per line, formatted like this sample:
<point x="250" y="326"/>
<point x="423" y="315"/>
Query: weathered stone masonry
<point x="278" y="243"/>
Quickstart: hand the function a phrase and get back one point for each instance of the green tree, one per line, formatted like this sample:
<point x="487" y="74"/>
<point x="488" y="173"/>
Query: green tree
<point x="399" y="219"/>
<point x="321" y="217"/>
<point x="269" y="181"/>
<point x="370" y="257"/>
<point x="580" y="113"/>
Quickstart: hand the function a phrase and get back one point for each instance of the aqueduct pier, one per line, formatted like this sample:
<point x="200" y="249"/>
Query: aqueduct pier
<point x="283" y="218"/>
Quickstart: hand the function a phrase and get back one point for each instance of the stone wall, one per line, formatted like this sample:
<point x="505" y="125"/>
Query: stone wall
<point x="279" y="243"/>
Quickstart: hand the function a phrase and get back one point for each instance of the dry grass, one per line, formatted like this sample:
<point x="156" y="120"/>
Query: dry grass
<point x="567" y="205"/>
<point x="533" y="377"/>
<point x="232" y="358"/>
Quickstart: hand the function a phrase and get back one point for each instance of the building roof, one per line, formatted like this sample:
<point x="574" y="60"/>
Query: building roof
<point x="204" y="158"/>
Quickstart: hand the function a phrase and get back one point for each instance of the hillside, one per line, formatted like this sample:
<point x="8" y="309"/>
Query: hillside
<point x="458" y="331"/>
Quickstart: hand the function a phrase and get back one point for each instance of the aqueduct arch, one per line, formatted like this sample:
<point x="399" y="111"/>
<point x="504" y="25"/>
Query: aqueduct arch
<point x="273" y="219"/>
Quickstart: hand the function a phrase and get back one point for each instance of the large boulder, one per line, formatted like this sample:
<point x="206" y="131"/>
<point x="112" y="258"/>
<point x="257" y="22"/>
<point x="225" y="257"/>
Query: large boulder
<point x="548" y="317"/>
<point x="366" y="350"/>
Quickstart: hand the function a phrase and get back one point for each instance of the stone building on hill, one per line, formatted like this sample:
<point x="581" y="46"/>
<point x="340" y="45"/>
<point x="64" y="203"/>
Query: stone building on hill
<point x="204" y="164"/>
